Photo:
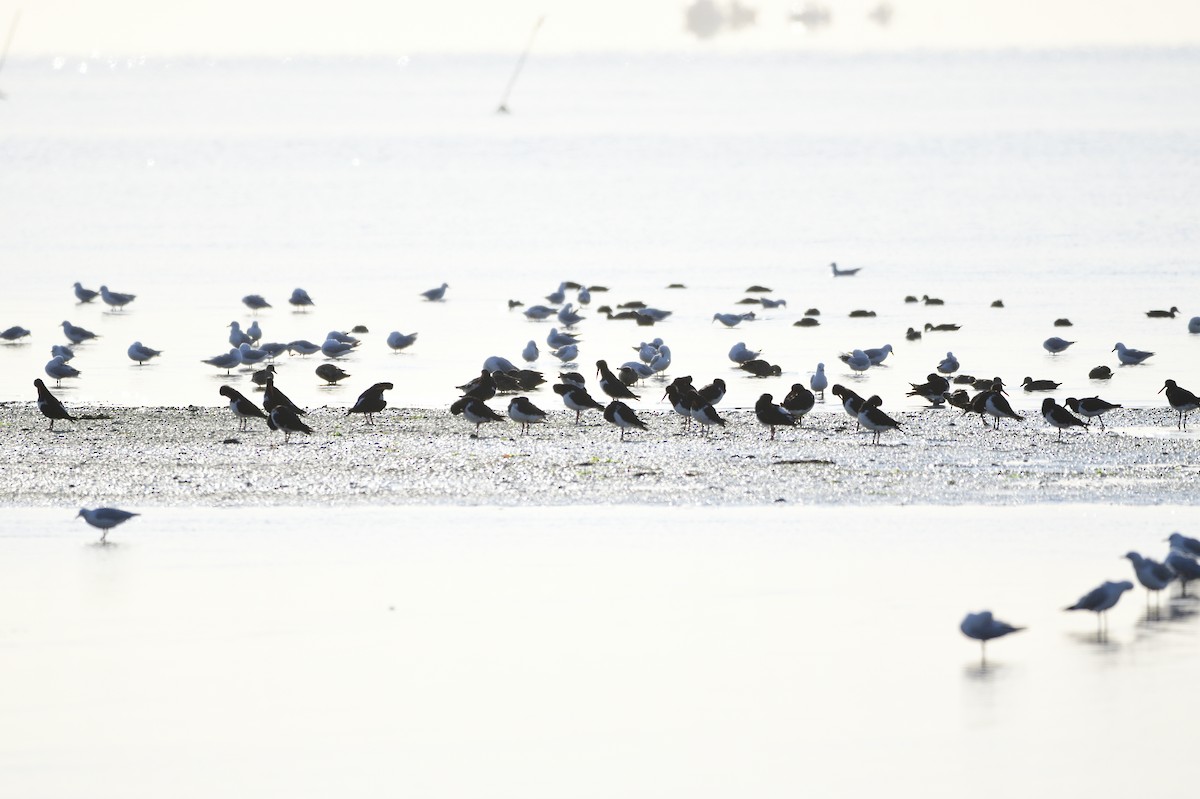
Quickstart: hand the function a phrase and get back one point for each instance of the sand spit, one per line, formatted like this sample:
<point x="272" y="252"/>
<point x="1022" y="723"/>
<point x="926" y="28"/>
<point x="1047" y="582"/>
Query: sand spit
<point x="195" y="456"/>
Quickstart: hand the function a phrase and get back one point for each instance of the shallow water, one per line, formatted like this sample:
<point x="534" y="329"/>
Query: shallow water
<point x="612" y="651"/>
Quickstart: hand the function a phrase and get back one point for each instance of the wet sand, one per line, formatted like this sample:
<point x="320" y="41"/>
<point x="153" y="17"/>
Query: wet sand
<point x="195" y="456"/>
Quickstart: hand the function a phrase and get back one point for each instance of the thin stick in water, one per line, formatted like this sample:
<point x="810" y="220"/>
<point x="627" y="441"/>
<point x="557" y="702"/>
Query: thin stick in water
<point x="503" y="107"/>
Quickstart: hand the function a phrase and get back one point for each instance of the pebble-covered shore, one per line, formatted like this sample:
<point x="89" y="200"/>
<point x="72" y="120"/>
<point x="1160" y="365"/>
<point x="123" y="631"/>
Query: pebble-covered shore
<point x="195" y="456"/>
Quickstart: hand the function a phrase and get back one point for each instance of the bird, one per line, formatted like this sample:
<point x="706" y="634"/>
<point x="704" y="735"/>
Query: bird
<point x="572" y="379"/>
<point x="714" y="392"/>
<point x="261" y="377"/>
<point x="60" y="370"/>
<point x="482" y="388"/>
<point x="933" y="390"/>
<point x="242" y="407"/>
<point x="577" y="399"/>
<point x="1129" y="356"/>
<point x="49" y="405"/>
<point x="13" y="333"/>
<point x="912" y="334"/>
<point x="611" y="385"/>
<point x="1153" y="576"/>
<point x="227" y="362"/>
<point x="521" y="410"/>
<point x="1029" y="384"/>
<point x="61" y="349"/>
<point x="567" y="354"/>
<point x="1054" y="345"/>
<point x="680" y="394"/>
<point x="332" y="348"/>
<point x="85" y="295"/>
<point x="1182" y="543"/>
<point x="371" y="402"/>
<point x="983" y="627"/>
<point x="1194" y="324"/>
<point x="274" y="398"/>
<point x="141" y="354"/>
<point x="807" y="321"/>
<point x="436" y="294"/>
<point x="768" y="303"/>
<point x="819" y="382"/>
<point x="1063" y="322"/>
<point x="1163" y="314"/>
<point x="475" y="411"/>
<point x="1101" y="598"/>
<point x="255" y="302"/>
<point x="703" y="412"/>
<point x="1058" y="416"/>
<point x="300" y="299"/>
<point x="104" y="519"/>
<point x="875" y="420"/>
<point x="399" y="341"/>
<point x="568" y="317"/>
<point x="861" y="314"/>
<point x="77" y="335"/>
<point x="530" y="353"/>
<point x="115" y="299"/>
<point x="740" y="353"/>
<point x="946" y="327"/>
<point x="284" y="419"/>
<point x="1185" y="567"/>
<point x="798" y="402"/>
<point x="237" y="336"/>
<point x="994" y="404"/>
<point x="622" y="416"/>
<point x="1091" y="408"/>
<point x="851" y="402"/>
<point x="584" y="296"/>
<point x="771" y="415"/>
<point x="539" y="312"/>
<point x="949" y="364"/>
<point x="760" y="368"/>
<point x="662" y="360"/>
<point x="729" y="319"/>
<point x="858" y="361"/>
<point x="878" y="354"/>
<point x="303" y="346"/>
<point x="1100" y="373"/>
<point x="1181" y="400"/>
<point x="843" y="272"/>
<point x="328" y="372"/>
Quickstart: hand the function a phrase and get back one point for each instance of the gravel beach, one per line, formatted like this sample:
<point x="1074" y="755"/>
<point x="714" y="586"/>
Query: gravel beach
<point x="194" y="456"/>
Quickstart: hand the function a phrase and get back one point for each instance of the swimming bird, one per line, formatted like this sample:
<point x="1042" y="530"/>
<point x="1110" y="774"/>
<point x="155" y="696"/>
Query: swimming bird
<point x="13" y="333"/>
<point x="1101" y="598"/>
<point x="539" y="312"/>
<point x="371" y="402"/>
<point x="946" y="327"/>
<point x="437" y="294"/>
<point x="771" y="415"/>
<point x="60" y="370"/>
<point x="1181" y="400"/>
<point x="104" y="519"/>
<point x="622" y="416"/>
<point x="994" y="404"/>
<point x="303" y="346"/>
<point x="255" y="302"/>
<point x="568" y="317"/>
<point x="861" y="314"/>
<point x="1100" y="373"/>
<point x="740" y="353"/>
<point x="521" y="410"/>
<point x="399" y="341"/>
<point x="328" y="372"/>
<point x="1163" y="314"/>
<point x="949" y="364"/>
<point x="300" y="299"/>
<point x="912" y="335"/>
<point x="611" y="385"/>
<point x="1185" y="567"/>
<point x="1153" y="576"/>
<point x="1194" y="324"/>
<point x="115" y="299"/>
<point x="1129" y="356"/>
<point x="843" y="272"/>
<point x="729" y="319"/>
<point x="933" y="390"/>
<point x="49" y="405"/>
<point x="857" y="360"/>
<point x="1029" y="384"/>
<point x="807" y="321"/>
<point x="1058" y="416"/>
<point x="242" y="407"/>
<point x="475" y="411"/>
<point x="819" y="382"/>
<point x="798" y="402"/>
<point x="760" y="368"/>
<point x="141" y="354"/>
<point x="1054" y="345"/>
<point x="227" y="362"/>
<point x="703" y="412"/>
<point x="274" y="398"/>
<point x="769" y="303"/>
<point x="577" y="399"/>
<point x="983" y="627"/>
<point x="284" y="419"/>
<point x="85" y="295"/>
<point x="1091" y="408"/>
<point x="530" y="353"/>
<point x="871" y="417"/>
<point x="77" y="335"/>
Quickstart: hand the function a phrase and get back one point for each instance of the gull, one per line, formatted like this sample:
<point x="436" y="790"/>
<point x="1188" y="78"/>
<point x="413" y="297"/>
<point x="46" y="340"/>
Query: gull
<point x="399" y="341"/>
<point x="1163" y="314"/>
<point x="226" y="362"/>
<point x="878" y="355"/>
<point x="584" y="296"/>
<point x="332" y="348"/>
<point x="799" y="402"/>
<point x="662" y="360"/>
<point x="875" y="420"/>
<point x="657" y="314"/>
<point x="1058" y="416"/>
<point x="60" y="349"/>
<point x="1101" y="598"/>
<point x="254" y="332"/>
<point x="1153" y="576"/>
<point x="557" y="296"/>
<point x="303" y="346"/>
<point x="703" y="412"/>
<point x="284" y="419"/>
<point x="843" y="272"/>
<point x="77" y="335"/>
<point x="1091" y="408"/>
<point x="858" y="361"/>
<point x="932" y="390"/>
<point x="49" y="405"/>
<point x="1129" y="356"/>
<point x="328" y="372"/>
<point x="949" y="364"/>
<point x="740" y="353"/>
<point x="819" y="382"/>
<point x="437" y="294"/>
<point x="1181" y="543"/>
<point x="60" y="369"/>
<point x="555" y="340"/>
<point x="646" y="351"/>
<point x="371" y="402"/>
<point x="983" y="627"/>
<point x="521" y="410"/>
<point x="1054" y="345"/>
<point x="622" y="416"/>
<point x="1186" y="568"/>
<point x="255" y="302"/>
<point x="1180" y="399"/>
<point x="498" y="363"/>
<point x="13" y="333"/>
<point x="771" y="415"/>
<point x="475" y="411"/>
<point x="572" y="379"/>
<point x="300" y="300"/>
<point x="237" y="336"/>
<point x="141" y="354"/>
<point x="85" y="295"/>
<point x="530" y="353"/>
<point x="567" y="316"/>
<point x="344" y="338"/>
<point x="539" y="312"/>
<point x="105" y="519"/>
<point x="115" y="299"/>
<point x="577" y="399"/>
<point x="728" y="319"/>
<point x="251" y="356"/>
<point x="243" y="408"/>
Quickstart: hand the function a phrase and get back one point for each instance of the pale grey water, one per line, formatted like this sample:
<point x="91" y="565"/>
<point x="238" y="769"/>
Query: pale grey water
<point x="1064" y="183"/>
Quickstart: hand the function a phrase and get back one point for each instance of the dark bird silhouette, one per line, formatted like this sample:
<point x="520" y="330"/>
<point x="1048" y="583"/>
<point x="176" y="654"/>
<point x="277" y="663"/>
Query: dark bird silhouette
<point x="284" y="419"/>
<point x="799" y="402"/>
<point x="622" y="416"/>
<point x="475" y="411"/>
<point x="1091" y="408"/>
<point x="1181" y="400"/>
<point x="611" y="386"/>
<point x="371" y="401"/>
<point x="274" y="398"/>
<point x="577" y="399"/>
<point x="49" y="405"/>
<point x="242" y="408"/>
<point x="771" y="415"/>
<point x="1058" y="416"/>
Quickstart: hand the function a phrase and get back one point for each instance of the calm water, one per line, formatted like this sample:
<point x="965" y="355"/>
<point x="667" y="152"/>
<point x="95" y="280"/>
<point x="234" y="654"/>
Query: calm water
<point x="1064" y="183"/>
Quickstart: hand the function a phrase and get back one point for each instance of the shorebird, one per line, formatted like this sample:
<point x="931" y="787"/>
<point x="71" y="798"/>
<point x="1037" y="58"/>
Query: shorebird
<point x="475" y="411"/>
<point x="104" y="519"/>
<point x="13" y="333"/>
<point x="557" y="296"/>
<point x="983" y="627"/>
<point x="611" y="385"/>
<point x="274" y="398"/>
<point x="254" y="333"/>
<point x="1100" y="599"/>
<point x="85" y="295"/>
<point x="437" y="294"/>
<point x="141" y="354"/>
<point x="875" y="420"/>
<point x="1129" y="356"/>
<point x="1058" y="416"/>
<point x="771" y="415"/>
<point x="878" y="354"/>
<point x="857" y="361"/>
<point x="577" y="399"/>
<point x="77" y="335"/>
<point x="227" y="361"/>
<point x="300" y="299"/>
<point x="49" y="405"/>
<point x="622" y="416"/>
<point x="328" y="372"/>
<point x="760" y="368"/>
<point x="994" y="404"/>
<point x="933" y="390"/>
<point x="1181" y="400"/>
<point x="115" y="299"/>
<point x="729" y="319"/>
<point x="1091" y="408"/>
<point x="539" y="312"/>
<point x="243" y="408"/>
<point x="843" y="272"/>
<point x="521" y="410"/>
<point x="798" y="402"/>
<point x="1054" y="345"/>
<point x="567" y="316"/>
<point x="285" y="419"/>
<point x="740" y="353"/>
<point x="303" y="346"/>
<point x="371" y="402"/>
<point x="556" y="340"/>
<point x="703" y="412"/>
<point x="237" y="336"/>
<point x="714" y="392"/>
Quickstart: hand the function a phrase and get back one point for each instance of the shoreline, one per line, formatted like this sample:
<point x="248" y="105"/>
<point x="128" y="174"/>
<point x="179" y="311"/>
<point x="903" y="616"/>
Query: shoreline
<point x="195" y="456"/>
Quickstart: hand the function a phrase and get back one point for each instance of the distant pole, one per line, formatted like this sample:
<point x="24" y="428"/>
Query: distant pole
<point x="503" y="108"/>
<point x="12" y="29"/>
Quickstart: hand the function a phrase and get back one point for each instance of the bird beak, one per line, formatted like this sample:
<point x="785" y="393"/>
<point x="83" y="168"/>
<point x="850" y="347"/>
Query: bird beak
<point x="1161" y="390"/>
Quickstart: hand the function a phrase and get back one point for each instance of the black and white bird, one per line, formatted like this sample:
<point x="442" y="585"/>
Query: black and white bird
<point x="851" y="402"/>
<point x="274" y="398"/>
<point x="1058" y="416"/>
<point x="475" y="411"/>
<point x="371" y="402"/>
<point x="243" y="408"/>
<point x="1128" y="356"/>
<point x="703" y="412"/>
<point x="577" y="399"/>
<point x="284" y="419"/>
<point x="104" y="519"/>
<point x="871" y="417"/>
<point x="611" y="385"/>
<point x="984" y="627"/>
<point x="525" y="413"/>
<point x="1091" y="408"/>
<point x="49" y="405"/>
<point x="933" y="390"/>
<point x="115" y="299"/>
<point x="622" y="416"/>
<point x="837" y="272"/>
<point x="993" y="403"/>
<point x="799" y="402"/>
<point x="400" y="341"/>
<point x="1181" y="400"/>
<point x="771" y="415"/>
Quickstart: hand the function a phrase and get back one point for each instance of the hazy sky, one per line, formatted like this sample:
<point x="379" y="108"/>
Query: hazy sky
<point x="223" y="27"/>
